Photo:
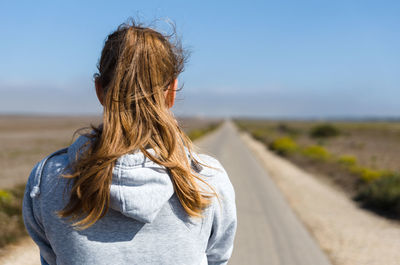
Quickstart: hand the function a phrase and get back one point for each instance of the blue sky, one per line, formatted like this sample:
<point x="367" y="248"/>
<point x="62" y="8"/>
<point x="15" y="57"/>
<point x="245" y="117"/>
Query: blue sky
<point x="253" y="58"/>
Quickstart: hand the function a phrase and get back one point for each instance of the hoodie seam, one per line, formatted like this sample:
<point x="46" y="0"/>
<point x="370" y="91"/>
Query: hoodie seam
<point x="35" y="191"/>
<point x="119" y="166"/>
<point x="122" y="199"/>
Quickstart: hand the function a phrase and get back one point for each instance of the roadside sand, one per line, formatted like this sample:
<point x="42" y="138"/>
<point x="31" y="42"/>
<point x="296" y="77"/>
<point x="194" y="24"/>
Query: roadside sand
<point x="24" y="252"/>
<point x="348" y="234"/>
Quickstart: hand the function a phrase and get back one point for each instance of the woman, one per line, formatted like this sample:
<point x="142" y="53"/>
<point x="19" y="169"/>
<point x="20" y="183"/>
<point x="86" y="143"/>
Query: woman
<point x="131" y="191"/>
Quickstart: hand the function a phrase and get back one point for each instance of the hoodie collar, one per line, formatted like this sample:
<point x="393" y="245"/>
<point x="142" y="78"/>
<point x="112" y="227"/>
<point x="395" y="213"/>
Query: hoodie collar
<point x="140" y="187"/>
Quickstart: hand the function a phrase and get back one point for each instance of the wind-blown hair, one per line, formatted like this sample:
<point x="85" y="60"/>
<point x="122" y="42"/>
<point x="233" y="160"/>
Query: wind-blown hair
<point x="137" y="65"/>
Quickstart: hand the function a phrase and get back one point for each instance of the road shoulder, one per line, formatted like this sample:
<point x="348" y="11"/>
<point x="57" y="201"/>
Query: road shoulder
<point x="24" y="252"/>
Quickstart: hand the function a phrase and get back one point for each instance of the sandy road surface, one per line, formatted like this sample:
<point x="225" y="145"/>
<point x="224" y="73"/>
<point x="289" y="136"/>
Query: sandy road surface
<point x="268" y="231"/>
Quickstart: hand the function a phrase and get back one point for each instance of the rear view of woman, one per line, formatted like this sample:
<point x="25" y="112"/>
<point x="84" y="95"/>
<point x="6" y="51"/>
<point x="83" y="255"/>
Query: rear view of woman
<point x="132" y="191"/>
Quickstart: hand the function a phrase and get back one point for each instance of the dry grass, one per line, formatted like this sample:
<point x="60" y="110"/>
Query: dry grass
<point x="376" y="145"/>
<point x="26" y="140"/>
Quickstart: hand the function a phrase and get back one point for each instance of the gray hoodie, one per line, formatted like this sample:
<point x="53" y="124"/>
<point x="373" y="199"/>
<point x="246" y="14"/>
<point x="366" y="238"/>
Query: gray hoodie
<point x="146" y="224"/>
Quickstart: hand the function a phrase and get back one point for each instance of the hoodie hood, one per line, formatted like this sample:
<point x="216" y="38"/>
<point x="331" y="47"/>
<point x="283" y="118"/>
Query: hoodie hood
<point x="140" y="187"/>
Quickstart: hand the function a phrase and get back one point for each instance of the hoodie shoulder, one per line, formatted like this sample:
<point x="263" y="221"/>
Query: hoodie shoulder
<point x="212" y="168"/>
<point x="58" y="160"/>
<point x="224" y="217"/>
<point x="216" y="175"/>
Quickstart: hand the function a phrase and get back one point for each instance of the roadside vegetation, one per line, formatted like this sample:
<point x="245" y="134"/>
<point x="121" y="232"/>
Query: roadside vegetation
<point x="11" y="224"/>
<point x="195" y="134"/>
<point x="34" y="145"/>
<point x="359" y="157"/>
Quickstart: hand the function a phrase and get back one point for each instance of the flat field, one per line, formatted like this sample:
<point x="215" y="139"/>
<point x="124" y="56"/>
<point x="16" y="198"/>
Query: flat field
<point x="375" y="145"/>
<point x="25" y="140"/>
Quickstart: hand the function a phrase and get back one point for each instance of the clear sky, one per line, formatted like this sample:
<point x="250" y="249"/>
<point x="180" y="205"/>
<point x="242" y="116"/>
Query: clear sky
<point x="249" y="58"/>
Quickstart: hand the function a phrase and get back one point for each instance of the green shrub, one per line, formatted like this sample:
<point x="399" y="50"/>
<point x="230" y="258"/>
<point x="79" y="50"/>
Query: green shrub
<point x="283" y="145"/>
<point x="347" y="160"/>
<point x="195" y="134"/>
<point x="367" y="174"/>
<point x="5" y="196"/>
<point x="382" y="193"/>
<point x="324" y="131"/>
<point x="316" y="152"/>
<point x="11" y="223"/>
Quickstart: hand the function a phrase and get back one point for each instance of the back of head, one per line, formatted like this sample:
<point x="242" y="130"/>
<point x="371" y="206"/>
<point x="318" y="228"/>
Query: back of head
<point x="137" y="65"/>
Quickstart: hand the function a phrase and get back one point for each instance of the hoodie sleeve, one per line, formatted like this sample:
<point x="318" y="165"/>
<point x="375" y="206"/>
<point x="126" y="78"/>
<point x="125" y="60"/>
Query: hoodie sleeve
<point x="220" y="243"/>
<point x="32" y="221"/>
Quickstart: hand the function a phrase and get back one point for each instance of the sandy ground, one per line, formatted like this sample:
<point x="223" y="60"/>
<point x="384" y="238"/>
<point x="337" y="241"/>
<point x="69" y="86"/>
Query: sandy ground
<point x="24" y="252"/>
<point x="348" y="234"/>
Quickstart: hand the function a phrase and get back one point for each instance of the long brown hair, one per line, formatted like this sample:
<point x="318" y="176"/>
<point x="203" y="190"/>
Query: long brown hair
<point x="136" y="66"/>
